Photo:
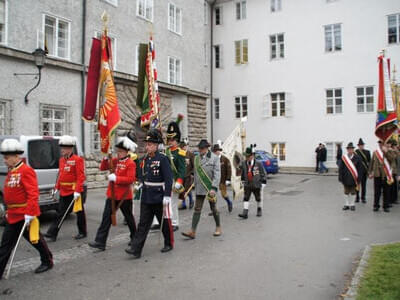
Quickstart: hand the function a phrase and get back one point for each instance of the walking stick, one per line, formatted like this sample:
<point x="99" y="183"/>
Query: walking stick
<point x="65" y="214"/>
<point x="188" y="191"/>
<point x="15" y="250"/>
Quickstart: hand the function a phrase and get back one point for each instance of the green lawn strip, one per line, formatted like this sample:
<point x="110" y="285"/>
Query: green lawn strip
<point x="381" y="279"/>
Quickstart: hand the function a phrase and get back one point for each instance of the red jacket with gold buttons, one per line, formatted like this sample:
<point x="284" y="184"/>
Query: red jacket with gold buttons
<point x="21" y="193"/>
<point x="125" y="172"/>
<point x="71" y="176"/>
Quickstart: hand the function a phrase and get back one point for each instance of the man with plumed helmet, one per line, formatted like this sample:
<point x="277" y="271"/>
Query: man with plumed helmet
<point x="122" y="176"/>
<point x="21" y="196"/>
<point x="156" y="177"/>
<point x="70" y="181"/>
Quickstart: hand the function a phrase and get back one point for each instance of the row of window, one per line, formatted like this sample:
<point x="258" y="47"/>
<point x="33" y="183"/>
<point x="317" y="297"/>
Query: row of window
<point x="279" y="104"/>
<point x="333" y="42"/>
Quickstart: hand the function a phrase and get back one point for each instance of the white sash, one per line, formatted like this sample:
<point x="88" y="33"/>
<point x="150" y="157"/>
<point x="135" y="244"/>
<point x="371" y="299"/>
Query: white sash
<point x="352" y="168"/>
<point x="386" y="166"/>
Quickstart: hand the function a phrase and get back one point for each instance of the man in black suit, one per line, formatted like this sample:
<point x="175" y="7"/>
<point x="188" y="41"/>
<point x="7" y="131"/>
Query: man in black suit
<point x="365" y="156"/>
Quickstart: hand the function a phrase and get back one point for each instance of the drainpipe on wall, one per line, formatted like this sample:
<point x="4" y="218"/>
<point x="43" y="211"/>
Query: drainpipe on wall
<point x="212" y="3"/>
<point x="83" y="73"/>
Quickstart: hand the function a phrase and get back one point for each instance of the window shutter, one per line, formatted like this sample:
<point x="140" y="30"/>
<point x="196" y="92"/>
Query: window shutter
<point x="266" y="106"/>
<point x="288" y="105"/>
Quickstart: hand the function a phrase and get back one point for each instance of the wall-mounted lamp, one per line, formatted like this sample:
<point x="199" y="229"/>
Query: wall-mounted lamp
<point x="39" y="56"/>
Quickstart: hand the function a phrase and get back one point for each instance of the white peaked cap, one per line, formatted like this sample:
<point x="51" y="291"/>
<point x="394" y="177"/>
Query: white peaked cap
<point x="67" y="140"/>
<point x="126" y="143"/>
<point x="11" y="146"/>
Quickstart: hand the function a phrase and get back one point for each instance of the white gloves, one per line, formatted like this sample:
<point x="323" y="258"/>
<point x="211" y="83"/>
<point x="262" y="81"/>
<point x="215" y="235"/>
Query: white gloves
<point x="227" y="182"/>
<point x="166" y="200"/>
<point x="28" y="218"/>
<point x="178" y="185"/>
<point x="112" y="177"/>
<point x="76" y="195"/>
<point x="54" y="192"/>
<point x="263" y="185"/>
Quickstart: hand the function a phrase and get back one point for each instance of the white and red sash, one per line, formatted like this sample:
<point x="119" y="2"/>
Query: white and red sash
<point x="386" y="166"/>
<point x="352" y="168"/>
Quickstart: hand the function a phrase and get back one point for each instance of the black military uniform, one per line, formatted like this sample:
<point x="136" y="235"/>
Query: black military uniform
<point x="156" y="176"/>
<point x="365" y="156"/>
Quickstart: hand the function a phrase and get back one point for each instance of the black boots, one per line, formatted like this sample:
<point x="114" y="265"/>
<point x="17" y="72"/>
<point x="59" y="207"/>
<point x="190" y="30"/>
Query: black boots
<point x="259" y="211"/>
<point x="244" y="214"/>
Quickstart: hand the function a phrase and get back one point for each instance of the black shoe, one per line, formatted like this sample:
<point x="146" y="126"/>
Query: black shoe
<point x="166" y="248"/>
<point x="345" y="207"/>
<point x="363" y="201"/>
<point x="386" y="210"/>
<point x="50" y="237"/>
<point x="357" y="200"/>
<point x="155" y="227"/>
<point x="259" y="212"/>
<point x="133" y="253"/>
<point x="44" y="267"/>
<point x="97" y="245"/>
<point x="376" y="209"/>
<point x="80" y="236"/>
<point x="353" y="208"/>
<point x="244" y="214"/>
<point x="175" y="228"/>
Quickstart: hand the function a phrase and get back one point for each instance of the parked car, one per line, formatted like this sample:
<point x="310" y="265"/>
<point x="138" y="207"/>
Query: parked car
<point x="42" y="153"/>
<point x="269" y="161"/>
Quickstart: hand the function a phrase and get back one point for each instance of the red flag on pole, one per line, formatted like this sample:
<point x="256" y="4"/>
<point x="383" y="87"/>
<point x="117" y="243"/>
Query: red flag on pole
<point x="109" y="117"/>
<point x="386" y="120"/>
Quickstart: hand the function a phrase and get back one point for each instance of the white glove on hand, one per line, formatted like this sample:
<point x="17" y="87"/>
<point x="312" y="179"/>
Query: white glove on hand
<point x="112" y="177"/>
<point x="227" y="182"/>
<point x="166" y="200"/>
<point x="263" y="185"/>
<point x="28" y="218"/>
<point x="177" y="185"/>
<point x="54" y="192"/>
<point x="76" y="195"/>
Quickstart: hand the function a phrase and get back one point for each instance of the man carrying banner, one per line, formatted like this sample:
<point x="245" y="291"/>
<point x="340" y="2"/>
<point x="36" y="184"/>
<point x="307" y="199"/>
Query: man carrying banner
<point x="120" y="188"/>
<point x="365" y="156"/>
<point x="381" y="171"/>
<point x="156" y="176"/>
<point x="21" y="195"/>
<point x="207" y="172"/>
<point x="349" y="169"/>
<point x="71" y="177"/>
<point x="253" y="178"/>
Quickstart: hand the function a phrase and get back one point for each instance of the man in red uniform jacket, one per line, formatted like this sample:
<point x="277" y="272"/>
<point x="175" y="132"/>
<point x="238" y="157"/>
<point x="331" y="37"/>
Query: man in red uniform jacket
<point x="71" y="177"/>
<point x="21" y="196"/>
<point x="120" y="180"/>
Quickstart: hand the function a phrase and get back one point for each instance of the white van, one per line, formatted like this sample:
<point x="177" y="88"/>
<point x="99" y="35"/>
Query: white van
<point x="42" y="153"/>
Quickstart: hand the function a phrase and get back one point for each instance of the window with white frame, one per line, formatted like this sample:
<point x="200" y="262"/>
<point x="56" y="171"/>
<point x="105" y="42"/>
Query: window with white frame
<point x="218" y="15"/>
<point x="53" y="120"/>
<point x="112" y="2"/>
<point x="113" y="40"/>
<point x="334" y="101"/>
<point x="216" y="108"/>
<point x="144" y="9"/>
<point x="276" y="5"/>
<point x="240" y="106"/>
<point x="278" y="104"/>
<point x="205" y="14"/>
<point x="94" y="138"/>
<point x="5" y="117"/>
<point x="331" y="150"/>
<point x="240" y="10"/>
<point x="241" y="52"/>
<point x="57" y="37"/>
<point x="394" y="29"/>
<point x="365" y="98"/>
<point x="218" y="56"/>
<point x="277" y="46"/>
<point x="333" y="37"/>
<point x="3" y="23"/>
<point x="174" y="71"/>
<point x="278" y="149"/>
<point x="174" y="18"/>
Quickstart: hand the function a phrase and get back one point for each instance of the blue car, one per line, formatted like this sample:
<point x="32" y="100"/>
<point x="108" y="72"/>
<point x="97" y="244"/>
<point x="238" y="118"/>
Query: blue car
<point x="269" y="161"/>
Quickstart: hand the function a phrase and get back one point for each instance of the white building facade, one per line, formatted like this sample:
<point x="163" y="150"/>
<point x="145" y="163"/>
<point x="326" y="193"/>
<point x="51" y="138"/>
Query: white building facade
<point x="303" y="72"/>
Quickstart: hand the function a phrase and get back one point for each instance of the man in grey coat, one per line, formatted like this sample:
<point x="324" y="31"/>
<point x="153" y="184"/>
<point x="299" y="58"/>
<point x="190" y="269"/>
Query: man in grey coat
<point x="207" y="172"/>
<point x="253" y="178"/>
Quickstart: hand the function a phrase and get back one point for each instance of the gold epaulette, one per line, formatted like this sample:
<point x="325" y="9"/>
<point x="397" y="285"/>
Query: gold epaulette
<point x="181" y="152"/>
<point x="133" y="156"/>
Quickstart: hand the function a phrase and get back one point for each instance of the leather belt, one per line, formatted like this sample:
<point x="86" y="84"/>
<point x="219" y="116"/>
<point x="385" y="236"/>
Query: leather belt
<point x="154" y="183"/>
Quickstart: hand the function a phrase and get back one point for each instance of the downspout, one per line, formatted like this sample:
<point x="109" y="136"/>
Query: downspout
<point x="212" y="3"/>
<point x="83" y="73"/>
